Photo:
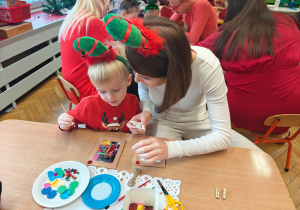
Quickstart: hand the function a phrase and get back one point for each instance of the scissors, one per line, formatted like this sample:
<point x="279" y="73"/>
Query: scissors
<point x="170" y="201"/>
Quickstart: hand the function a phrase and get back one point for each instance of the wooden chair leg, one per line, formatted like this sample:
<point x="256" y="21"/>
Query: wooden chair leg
<point x="70" y="105"/>
<point x="288" y="159"/>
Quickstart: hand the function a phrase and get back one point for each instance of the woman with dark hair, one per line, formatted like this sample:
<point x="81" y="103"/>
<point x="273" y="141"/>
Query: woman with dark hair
<point x="176" y="83"/>
<point x="260" y="52"/>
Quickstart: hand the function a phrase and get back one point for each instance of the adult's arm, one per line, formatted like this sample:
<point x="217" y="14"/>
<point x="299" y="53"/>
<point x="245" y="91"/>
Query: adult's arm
<point x="175" y="17"/>
<point x="220" y="136"/>
<point x="145" y="101"/>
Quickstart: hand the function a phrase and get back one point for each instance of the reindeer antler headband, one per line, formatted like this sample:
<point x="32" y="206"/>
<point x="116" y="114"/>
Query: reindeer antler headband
<point x="135" y="34"/>
<point x="95" y="51"/>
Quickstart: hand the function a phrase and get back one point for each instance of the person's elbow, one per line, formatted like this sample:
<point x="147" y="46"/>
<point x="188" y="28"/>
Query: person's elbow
<point x="226" y="139"/>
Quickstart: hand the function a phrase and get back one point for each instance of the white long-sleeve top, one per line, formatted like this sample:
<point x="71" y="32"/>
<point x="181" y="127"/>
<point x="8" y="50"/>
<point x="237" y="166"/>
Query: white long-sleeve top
<point x="207" y="87"/>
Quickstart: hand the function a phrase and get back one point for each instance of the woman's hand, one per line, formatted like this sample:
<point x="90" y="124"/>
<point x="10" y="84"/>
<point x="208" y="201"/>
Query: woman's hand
<point x="65" y="121"/>
<point x="151" y="150"/>
<point x="144" y="118"/>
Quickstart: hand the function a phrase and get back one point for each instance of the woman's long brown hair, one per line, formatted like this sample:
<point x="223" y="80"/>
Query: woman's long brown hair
<point x="252" y="23"/>
<point x="176" y="67"/>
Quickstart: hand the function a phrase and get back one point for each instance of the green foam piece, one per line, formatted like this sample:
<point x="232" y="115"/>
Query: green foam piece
<point x="61" y="189"/>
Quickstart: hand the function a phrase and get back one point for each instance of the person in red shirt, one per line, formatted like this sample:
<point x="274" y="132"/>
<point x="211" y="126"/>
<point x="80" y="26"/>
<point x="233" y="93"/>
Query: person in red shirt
<point x="83" y="20"/>
<point x="260" y="52"/>
<point x="112" y="108"/>
<point x="199" y="16"/>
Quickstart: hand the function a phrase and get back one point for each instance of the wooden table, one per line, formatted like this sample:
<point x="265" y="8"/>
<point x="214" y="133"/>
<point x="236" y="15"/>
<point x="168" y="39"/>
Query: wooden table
<point x="251" y="177"/>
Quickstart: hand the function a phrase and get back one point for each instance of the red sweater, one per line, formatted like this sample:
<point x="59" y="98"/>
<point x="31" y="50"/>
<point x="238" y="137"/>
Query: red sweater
<point x="99" y="115"/>
<point x="201" y="21"/>
<point x="259" y="88"/>
<point x="74" y="68"/>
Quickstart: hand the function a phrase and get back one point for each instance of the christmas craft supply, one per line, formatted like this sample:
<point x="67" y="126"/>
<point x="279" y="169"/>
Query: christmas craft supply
<point x="170" y="201"/>
<point x="224" y="193"/>
<point x="124" y="195"/>
<point x="136" y="172"/>
<point x="134" y="34"/>
<point x="61" y="192"/>
<point x="217" y="193"/>
<point x="138" y="126"/>
<point x="110" y="191"/>
<point x="107" y="152"/>
<point x="73" y="124"/>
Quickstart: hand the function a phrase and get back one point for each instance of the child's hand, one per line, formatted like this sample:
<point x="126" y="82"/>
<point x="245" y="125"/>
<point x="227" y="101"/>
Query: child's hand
<point x="144" y="118"/>
<point x="65" y="121"/>
<point x="151" y="150"/>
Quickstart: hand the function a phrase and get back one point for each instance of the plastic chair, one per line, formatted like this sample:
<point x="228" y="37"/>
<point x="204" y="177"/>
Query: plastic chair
<point x="283" y="120"/>
<point x="66" y="87"/>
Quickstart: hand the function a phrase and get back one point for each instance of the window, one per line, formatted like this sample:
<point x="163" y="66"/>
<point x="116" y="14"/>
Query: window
<point x="36" y="4"/>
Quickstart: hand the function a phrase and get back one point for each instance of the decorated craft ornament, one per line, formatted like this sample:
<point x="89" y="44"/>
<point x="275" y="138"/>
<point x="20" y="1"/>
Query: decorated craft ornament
<point x="151" y="5"/>
<point x="95" y="51"/>
<point x="135" y="34"/>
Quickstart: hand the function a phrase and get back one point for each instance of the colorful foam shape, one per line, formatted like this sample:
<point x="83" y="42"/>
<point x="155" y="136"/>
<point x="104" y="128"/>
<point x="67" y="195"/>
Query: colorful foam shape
<point x="59" y="172"/>
<point x="47" y="185"/>
<point x="65" y="195"/>
<point x="74" y="184"/>
<point x="46" y="191"/>
<point x="61" y="189"/>
<point x="52" y="194"/>
<point x="51" y="176"/>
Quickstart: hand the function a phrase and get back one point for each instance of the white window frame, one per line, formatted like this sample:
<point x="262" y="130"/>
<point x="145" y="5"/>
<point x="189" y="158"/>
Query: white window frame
<point x="36" y="5"/>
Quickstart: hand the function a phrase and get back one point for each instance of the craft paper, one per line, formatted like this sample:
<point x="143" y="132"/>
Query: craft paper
<point x="107" y="152"/>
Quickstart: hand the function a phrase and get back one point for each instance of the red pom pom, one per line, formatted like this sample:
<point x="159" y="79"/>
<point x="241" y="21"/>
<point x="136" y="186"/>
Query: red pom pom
<point x="154" y="45"/>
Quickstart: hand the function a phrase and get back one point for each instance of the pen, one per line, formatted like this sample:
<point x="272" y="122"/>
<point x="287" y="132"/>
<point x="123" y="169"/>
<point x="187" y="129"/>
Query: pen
<point x="66" y="112"/>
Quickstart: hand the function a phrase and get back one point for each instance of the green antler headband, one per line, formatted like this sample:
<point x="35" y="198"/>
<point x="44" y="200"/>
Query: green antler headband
<point x="135" y="34"/>
<point x="135" y="3"/>
<point x="151" y="5"/>
<point x="95" y="51"/>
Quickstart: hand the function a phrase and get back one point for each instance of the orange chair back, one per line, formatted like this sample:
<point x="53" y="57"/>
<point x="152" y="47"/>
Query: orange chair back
<point x="67" y="87"/>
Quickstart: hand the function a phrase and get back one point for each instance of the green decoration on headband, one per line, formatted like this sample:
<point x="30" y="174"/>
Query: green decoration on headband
<point x="151" y="5"/>
<point x="85" y="45"/>
<point x="96" y="51"/>
<point x="117" y="27"/>
<point x="135" y="3"/>
<point x="135" y="35"/>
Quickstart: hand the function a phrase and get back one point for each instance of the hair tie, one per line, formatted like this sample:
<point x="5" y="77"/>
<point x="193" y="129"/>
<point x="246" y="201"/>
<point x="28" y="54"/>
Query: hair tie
<point x="94" y="51"/>
<point x="135" y="34"/>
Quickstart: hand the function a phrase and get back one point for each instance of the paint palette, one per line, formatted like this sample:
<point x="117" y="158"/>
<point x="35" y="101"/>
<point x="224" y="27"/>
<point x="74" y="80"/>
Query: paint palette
<point x="102" y="191"/>
<point x="65" y="187"/>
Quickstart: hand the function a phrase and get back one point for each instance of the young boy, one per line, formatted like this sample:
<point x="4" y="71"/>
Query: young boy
<point x="112" y="107"/>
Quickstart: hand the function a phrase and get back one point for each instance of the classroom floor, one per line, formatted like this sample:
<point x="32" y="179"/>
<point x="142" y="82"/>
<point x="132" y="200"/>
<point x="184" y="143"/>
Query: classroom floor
<point x="43" y="104"/>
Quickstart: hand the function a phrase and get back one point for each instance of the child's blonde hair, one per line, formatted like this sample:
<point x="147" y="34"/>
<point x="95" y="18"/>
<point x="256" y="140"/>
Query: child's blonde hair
<point x="82" y="10"/>
<point x="106" y="71"/>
